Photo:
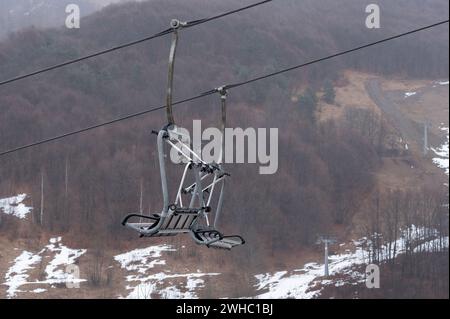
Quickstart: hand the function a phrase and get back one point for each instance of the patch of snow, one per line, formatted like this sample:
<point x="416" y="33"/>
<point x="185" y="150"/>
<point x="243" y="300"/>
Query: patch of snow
<point x="141" y="263"/>
<point x="443" y="83"/>
<point x="442" y="151"/>
<point x="408" y="94"/>
<point x="17" y="273"/>
<point x="267" y="279"/>
<point x="432" y="245"/>
<point x="14" y="206"/>
<point x="143" y="259"/>
<point x="64" y="256"/>
<point x="360" y="241"/>
<point x="442" y="163"/>
<point x="54" y="240"/>
<point x="17" y="276"/>
<point x="308" y="282"/>
<point x="151" y="286"/>
<point x="282" y="286"/>
<point x="39" y="290"/>
<point x="193" y="282"/>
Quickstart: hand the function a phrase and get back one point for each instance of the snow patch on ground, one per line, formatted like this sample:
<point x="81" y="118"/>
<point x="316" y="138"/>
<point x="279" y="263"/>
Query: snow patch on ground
<point x="39" y="290"/>
<point x="185" y="288"/>
<point x="307" y="282"/>
<point x="431" y="245"/>
<point x="63" y="257"/>
<point x="442" y="161"/>
<point x="17" y="274"/>
<point x="14" y="206"/>
<point x="408" y="94"/>
<point x="141" y="263"/>
<point x="55" y="271"/>
<point x="301" y="283"/>
<point x="443" y="83"/>
<point x="141" y="260"/>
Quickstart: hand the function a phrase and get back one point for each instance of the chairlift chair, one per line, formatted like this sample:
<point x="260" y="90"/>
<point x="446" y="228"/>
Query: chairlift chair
<point x="189" y="212"/>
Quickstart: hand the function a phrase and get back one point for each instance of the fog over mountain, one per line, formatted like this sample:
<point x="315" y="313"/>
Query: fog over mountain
<point x="19" y="14"/>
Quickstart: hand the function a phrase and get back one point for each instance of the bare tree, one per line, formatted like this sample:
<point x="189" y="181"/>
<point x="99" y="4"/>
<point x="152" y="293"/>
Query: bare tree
<point x="41" y="219"/>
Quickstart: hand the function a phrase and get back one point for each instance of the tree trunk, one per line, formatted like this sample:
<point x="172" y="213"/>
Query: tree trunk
<point x="42" y="197"/>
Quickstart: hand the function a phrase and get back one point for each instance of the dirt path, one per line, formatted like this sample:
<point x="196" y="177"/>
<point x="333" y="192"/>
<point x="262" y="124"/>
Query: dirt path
<point x="410" y="131"/>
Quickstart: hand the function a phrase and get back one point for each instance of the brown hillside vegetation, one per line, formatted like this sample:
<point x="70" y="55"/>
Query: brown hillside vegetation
<point x="330" y="165"/>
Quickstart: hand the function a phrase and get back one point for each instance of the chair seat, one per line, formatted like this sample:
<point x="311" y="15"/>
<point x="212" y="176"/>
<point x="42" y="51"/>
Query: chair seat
<point x="170" y="225"/>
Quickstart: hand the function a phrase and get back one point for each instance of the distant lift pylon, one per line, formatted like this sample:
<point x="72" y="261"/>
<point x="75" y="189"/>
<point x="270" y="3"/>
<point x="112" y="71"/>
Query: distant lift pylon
<point x="194" y="203"/>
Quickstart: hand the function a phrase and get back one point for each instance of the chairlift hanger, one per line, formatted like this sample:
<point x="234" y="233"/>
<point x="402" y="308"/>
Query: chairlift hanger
<point x="194" y="204"/>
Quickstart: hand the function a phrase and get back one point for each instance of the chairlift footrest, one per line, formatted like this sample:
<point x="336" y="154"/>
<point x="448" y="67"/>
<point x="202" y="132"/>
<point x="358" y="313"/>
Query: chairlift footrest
<point x="212" y="238"/>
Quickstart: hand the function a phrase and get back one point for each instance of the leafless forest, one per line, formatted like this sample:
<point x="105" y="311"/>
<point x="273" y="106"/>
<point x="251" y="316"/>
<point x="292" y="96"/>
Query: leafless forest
<point x="327" y="169"/>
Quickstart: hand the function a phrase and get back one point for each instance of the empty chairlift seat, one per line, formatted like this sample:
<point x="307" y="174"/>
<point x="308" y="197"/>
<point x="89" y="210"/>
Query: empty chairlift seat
<point x="157" y="226"/>
<point x="204" y="178"/>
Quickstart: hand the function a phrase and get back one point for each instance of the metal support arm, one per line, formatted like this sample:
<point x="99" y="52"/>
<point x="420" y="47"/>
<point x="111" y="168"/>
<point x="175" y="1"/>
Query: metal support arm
<point x="175" y="25"/>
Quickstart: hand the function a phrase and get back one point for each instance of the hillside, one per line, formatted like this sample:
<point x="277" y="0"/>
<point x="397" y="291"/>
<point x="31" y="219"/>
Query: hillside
<point x="32" y="261"/>
<point x="336" y="162"/>
<point x="16" y="15"/>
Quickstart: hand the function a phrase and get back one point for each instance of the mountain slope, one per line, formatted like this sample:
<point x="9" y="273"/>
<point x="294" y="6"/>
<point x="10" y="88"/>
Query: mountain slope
<point x="16" y="15"/>
<point x="326" y="170"/>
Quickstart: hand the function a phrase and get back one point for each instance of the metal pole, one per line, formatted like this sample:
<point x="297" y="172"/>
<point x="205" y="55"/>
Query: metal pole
<point x="326" y="258"/>
<point x="175" y="25"/>
<point x="425" y="139"/>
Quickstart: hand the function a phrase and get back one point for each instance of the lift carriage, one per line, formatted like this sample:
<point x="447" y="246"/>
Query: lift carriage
<point x="194" y="203"/>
